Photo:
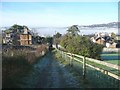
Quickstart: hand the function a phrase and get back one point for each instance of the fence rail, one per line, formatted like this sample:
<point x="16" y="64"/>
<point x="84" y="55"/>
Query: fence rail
<point x="98" y="61"/>
<point x="104" y="71"/>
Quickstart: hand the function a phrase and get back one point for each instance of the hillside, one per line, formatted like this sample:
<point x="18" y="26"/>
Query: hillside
<point x="108" y="25"/>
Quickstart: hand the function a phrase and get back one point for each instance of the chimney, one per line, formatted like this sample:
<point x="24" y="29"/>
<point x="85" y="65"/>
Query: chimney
<point x="25" y="30"/>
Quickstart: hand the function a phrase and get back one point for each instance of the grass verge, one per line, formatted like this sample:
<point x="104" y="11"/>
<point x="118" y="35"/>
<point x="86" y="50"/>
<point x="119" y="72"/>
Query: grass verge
<point x="84" y="82"/>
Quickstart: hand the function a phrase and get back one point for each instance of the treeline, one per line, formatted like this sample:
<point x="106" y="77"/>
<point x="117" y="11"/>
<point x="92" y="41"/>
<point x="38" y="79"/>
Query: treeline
<point x="77" y="44"/>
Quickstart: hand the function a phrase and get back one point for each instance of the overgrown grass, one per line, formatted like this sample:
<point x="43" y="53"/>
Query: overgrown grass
<point x="12" y="69"/>
<point x="72" y="70"/>
<point x="17" y="63"/>
<point x="92" y="77"/>
<point x="58" y="56"/>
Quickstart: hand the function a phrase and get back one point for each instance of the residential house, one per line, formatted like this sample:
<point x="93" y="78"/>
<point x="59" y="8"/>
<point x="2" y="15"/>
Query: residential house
<point x="6" y="37"/>
<point x="118" y="37"/>
<point x="118" y="41"/>
<point x="104" y="39"/>
<point x="17" y="37"/>
<point x="109" y="45"/>
<point x="98" y="38"/>
<point x="100" y="41"/>
<point x="25" y="38"/>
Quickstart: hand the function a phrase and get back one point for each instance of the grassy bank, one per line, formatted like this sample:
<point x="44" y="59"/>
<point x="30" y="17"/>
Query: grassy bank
<point x="12" y="69"/>
<point x="17" y="63"/>
<point x="94" y="77"/>
<point x="72" y="70"/>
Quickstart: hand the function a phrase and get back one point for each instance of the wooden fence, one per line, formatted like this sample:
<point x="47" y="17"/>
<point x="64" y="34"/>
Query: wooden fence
<point x="84" y="60"/>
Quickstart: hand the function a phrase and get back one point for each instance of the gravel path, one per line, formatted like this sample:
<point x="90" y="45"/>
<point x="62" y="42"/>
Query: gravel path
<point x="49" y="73"/>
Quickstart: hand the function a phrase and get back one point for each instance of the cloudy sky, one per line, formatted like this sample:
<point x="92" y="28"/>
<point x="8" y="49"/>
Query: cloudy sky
<point x="57" y="14"/>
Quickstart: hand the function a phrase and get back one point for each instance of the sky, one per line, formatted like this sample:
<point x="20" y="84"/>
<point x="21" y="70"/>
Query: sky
<point x="57" y="14"/>
<point x="59" y="0"/>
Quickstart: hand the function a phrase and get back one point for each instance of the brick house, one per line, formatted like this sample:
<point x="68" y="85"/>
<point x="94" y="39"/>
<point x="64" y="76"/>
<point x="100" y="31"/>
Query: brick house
<point x="17" y="35"/>
<point x="25" y="38"/>
<point x="100" y="41"/>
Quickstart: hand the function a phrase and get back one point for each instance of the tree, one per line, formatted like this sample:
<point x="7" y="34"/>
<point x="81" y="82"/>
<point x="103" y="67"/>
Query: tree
<point x="81" y="45"/>
<point x="49" y="40"/>
<point x="74" y="43"/>
<point x="16" y="28"/>
<point x="57" y="35"/>
<point x="113" y="35"/>
<point x="64" y="40"/>
<point x="38" y="39"/>
<point x="73" y="30"/>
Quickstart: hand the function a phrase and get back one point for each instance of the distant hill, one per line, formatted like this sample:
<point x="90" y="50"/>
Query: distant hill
<point x="86" y="29"/>
<point x="108" y="25"/>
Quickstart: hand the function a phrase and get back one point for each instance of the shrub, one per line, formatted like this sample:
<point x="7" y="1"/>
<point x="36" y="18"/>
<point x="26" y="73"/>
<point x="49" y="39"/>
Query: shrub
<point x="81" y="45"/>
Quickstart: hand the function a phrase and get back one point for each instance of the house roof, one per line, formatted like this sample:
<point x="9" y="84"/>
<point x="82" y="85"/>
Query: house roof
<point x="27" y="33"/>
<point x="100" y="38"/>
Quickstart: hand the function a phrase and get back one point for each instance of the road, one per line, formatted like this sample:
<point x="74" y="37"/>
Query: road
<point x="49" y="73"/>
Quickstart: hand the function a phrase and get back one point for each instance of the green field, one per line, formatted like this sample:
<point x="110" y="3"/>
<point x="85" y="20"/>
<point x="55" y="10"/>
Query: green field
<point x="114" y="62"/>
<point x="115" y="54"/>
<point x="111" y="58"/>
<point x="102" y="66"/>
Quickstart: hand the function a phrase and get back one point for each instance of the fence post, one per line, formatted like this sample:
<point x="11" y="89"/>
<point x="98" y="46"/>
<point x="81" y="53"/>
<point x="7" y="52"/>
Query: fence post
<point x="65" y="57"/>
<point x="72" y="60"/>
<point x="62" y="54"/>
<point x="84" y="68"/>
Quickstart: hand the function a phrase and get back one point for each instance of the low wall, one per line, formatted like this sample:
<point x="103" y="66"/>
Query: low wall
<point x="111" y="49"/>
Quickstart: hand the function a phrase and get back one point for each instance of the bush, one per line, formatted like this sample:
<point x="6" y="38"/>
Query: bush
<point x="16" y="63"/>
<point x="81" y="45"/>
